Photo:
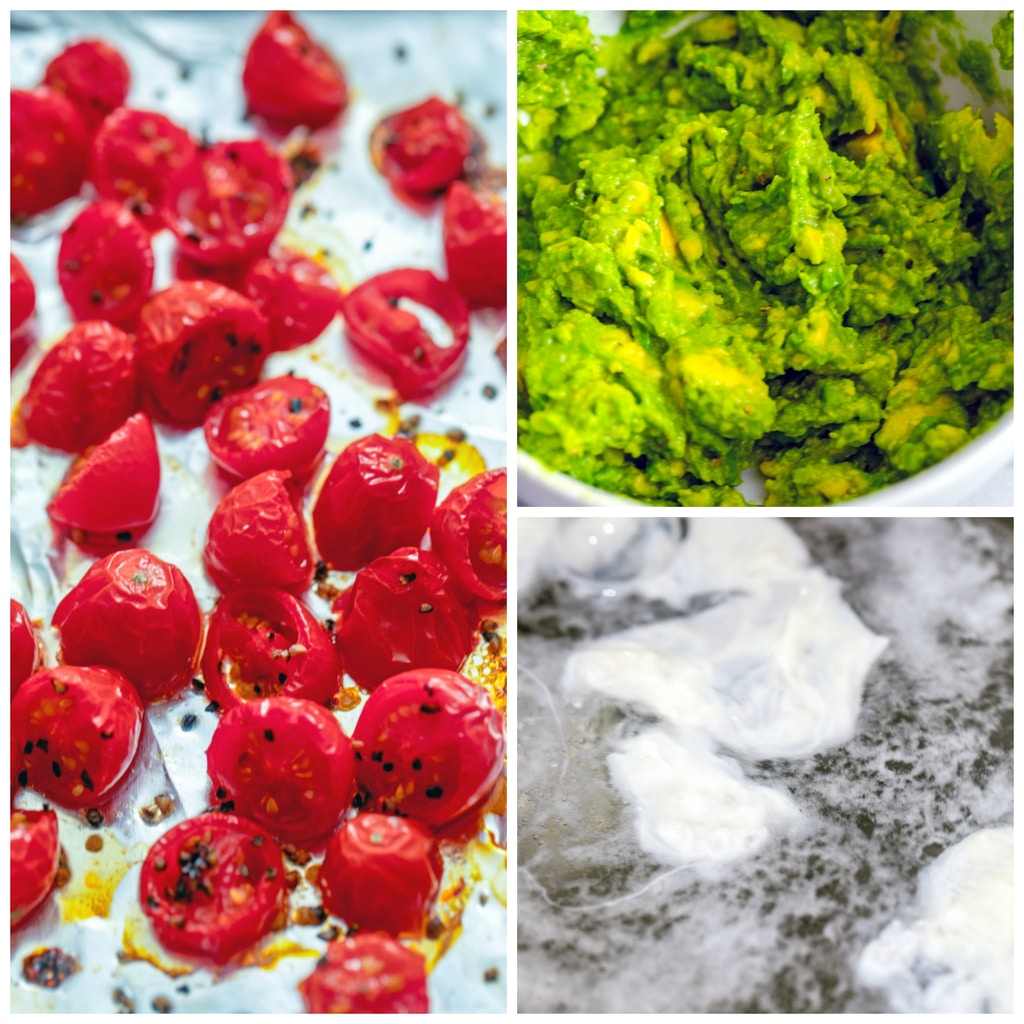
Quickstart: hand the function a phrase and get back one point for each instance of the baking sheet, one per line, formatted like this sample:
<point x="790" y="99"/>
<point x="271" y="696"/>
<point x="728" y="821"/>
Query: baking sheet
<point x="605" y="927"/>
<point x="188" y="65"/>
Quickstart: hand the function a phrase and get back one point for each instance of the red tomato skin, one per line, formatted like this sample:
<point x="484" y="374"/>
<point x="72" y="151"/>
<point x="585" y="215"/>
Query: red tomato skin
<point x="257" y="537"/>
<point x="297" y="296"/>
<point x="423" y="149"/>
<point x="49" y="150"/>
<point x="290" y="79"/>
<point x="469" y="533"/>
<point x="393" y="339"/>
<point x="476" y="245"/>
<point x="279" y="424"/>
<point x="228" y="202"/>
<point x="444" y="723"/>
<point x="378" y="496"/>
<point x="24" y="646"/>
<point x="35" y="855"/>
<point x="284" y="763"/>
<point x="84" y="388"/>
<point x="111" y="494"/>
<point x="23" y="294"/>
<point x="368" y="973"/>
<point x="93" y="75"/>
<point x="197" y="342"/>
<point x="95" y="706"/>
<point x="239" y="661"/>
<point x="219" y="891"/>
<point x="381" y="874"/>
<point x="399" y="614"/>
<point x="105" y="264"/>
<point x="136" y="613"/>
<point x="133" y="156"/>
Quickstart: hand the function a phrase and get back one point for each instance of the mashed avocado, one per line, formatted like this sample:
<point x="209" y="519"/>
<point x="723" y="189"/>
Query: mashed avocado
<point x="749" y="240"/>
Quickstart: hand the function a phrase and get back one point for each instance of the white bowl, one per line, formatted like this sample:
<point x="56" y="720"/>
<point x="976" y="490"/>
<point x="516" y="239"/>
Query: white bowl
<point x="947" y="483"/>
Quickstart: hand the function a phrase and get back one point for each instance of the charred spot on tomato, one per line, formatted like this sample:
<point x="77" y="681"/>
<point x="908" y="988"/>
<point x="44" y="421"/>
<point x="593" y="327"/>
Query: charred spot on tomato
<point x="43" y="744"/>
<point x="320" y="572"/>
<point x="220" y="793"/>
<point x="198" y="684"/>
<point x="22" y="778"/>
<point x="29" y="746"/>
<point x="377" y="755"/>
<point x="282" y="678"/>
<point x="295" y="405"/>
<point x="434" y="792"/>
<point x="430" y="709"/>
<point x="55" y="767"/>
<point x="268" y="735"/>
<point x="227" y="805"/>
<point x="95" y="298"/>
<point x="257" y="841"/>
<point x="417" y="764"/>
<point x="49" y="968"/>
<point x="123" y="535"/>
<point x="87" y="782"/>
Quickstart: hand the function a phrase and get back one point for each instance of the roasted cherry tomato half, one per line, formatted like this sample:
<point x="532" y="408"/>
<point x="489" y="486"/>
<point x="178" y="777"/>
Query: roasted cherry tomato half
<point x="227" y="204"/>
<point x="470" y="534"/>
<point x="378" y="496"/>
<point x="93" y="75"/>
<point x="212" y="887"/>
<point x="392" y="338"/>
<point x="105" y="264"/>
<point x="475" y="245"/>
<point x="24" y="646"/>
<point x="35" y="855"/>
<point x="111" y="494"/>
<point x="285" y="764"/>
<point x="198" y="341"/>
<point x="400" y="614"/>
<point x="257" y="537"/>
<point x="75" y="731"/>
<point x="136" y="613"/>
<point x="262" y="643"/>
<point x="370" y="973"/>
<point x="422" y="150"/>
<point x="297" y="296"/>
<point x="276" y="424"/>
<point x="23" y="294"/>
<point x="290" y="79"/>
<point x="443" y="739"/>
<point x="85" y="387"/>
<point x="134" y="154"/>
<point x="381" y="874"/>
<point x="49" y="150"/>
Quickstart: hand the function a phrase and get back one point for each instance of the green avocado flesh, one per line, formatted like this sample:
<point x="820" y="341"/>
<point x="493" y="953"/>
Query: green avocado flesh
<point x="757" y="241"/>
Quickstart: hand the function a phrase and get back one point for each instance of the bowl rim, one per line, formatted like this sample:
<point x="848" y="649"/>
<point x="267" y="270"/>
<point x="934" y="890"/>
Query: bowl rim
<point x="973" y="465"/>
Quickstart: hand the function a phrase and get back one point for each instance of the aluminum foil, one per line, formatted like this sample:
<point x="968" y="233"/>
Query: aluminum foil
<point x="188" y="65"/>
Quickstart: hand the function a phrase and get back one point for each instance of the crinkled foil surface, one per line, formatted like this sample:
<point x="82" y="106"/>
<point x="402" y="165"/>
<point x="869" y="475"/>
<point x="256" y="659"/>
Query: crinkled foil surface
<point x="188" y="65"/>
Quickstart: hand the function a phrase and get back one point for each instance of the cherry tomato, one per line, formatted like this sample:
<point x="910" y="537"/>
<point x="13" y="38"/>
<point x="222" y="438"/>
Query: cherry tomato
<point x="369" y="973"/>
<point x="49" y="150"/>
<point x="77" y="731"/>
<point x="399" y="614"/>
<point x="198" y="341"/>
<point x="93" y="75"/>
<point x="297" y="296"/>
<point x="290" y="79"/>
<point x="228" y="202"/>
<point x="470" y="535"/>
<point x="443" y="739"/>
<point x="35" y="856"/>
<point x="475" y="245"/>
<point x="134" y="154"/>
<point x="422" y="150"/>
<point x="264" y="643"/>
<point x="111" y="494"/>
<point x="378" y="496"/>
<point x="212" y="887"/>
<point x="105" y="264"/>
<point x="23" y="294"/>
<point x="381" y="874"/>
<point x="276" y="424"/>
<point x="84" y="388"/>
<point x="285" y="764"/>
<point x="24" y="646"/>
<point x="136" y="613"/>
<point x="257" y="537"/>
<point x="393" y="339"/>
